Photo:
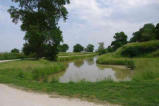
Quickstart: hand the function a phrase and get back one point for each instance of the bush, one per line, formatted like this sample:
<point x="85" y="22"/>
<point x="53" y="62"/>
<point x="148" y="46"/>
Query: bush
<point x="138" y="49"/>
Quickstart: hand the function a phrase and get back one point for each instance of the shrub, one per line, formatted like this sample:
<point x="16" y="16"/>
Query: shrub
<point x="138" y="49"/>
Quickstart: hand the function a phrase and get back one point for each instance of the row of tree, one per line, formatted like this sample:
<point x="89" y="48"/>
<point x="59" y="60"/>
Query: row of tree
<point x="80" y="48"/>
<point x="146" y="33"/>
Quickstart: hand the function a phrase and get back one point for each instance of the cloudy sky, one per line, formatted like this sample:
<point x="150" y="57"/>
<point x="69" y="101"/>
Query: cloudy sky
<point x="89" y="21"/>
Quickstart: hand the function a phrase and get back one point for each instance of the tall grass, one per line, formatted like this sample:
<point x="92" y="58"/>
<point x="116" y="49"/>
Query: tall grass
<point x="8" y="56"/>
<point x="110" y="59"/>
<point x="73" y="57"/>
<point x="74" y="54"/>
<point x="31" y="70"/>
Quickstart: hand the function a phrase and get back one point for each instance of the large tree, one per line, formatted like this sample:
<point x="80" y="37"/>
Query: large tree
<point x="14" y="50"/>
<point x="89" y="48"/>
<point x="101" y="49"/>
<point x="120" y="39"/>
<point x="78" y="48"/>
<point x="146" y="33"/>
<point x="40" y="22"/>
<point x="157" y="31"/>
<point x="63" y="48"/>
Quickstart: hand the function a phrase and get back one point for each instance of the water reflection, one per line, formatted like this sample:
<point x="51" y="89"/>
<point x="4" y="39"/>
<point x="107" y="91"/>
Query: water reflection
<point x="78" y="63"/>
<point x="88" y="70"/>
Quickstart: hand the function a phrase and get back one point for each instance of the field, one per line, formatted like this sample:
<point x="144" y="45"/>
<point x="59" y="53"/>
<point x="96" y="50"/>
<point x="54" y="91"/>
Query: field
<point x="8" y="56"/>
<point x="73" y="56"/>
<point x="141" y="91"/>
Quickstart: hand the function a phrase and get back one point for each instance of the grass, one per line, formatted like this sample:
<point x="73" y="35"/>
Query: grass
<point x="141" y="91"/>
<point x="8" y="56"/>
<point x="111" y="59"/>
<point x="30" y="70"/>
<point x="73" y="56"/>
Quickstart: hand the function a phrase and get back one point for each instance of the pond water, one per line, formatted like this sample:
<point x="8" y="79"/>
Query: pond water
<point x="88" y="70"/>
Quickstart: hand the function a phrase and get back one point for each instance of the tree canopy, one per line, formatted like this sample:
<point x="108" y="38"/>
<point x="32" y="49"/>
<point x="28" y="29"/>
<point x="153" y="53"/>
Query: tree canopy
<point x="78" y="48"/>
<point x="120" y="39"/>
<point x="14" y="50"/>
<point x="40" y="22"/>
<point x="89" y="48"/>
<point x="146" y="33"/>
<point x="63" y="48"/>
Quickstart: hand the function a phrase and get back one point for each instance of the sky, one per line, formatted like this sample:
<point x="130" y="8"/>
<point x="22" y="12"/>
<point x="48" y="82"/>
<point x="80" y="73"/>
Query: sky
<point x="89" y="21"/>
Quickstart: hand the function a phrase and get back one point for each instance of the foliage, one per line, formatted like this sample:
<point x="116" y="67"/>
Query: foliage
<point x="40" y="22"/>
<point x="74" y="53"/>
<point x="110" y="60"/>
<point x="89" y="48"/>
<point x="63" y="48"/>
<point x="146" y="33"/>
<point x="101" y="50"/>
<point x="14" y="50"/>
<point x="9" y="56"/>
<point x="73" y="57"/>
<point x="78" y="48"/>
<point x="157" y="31"/>
<point x="120" y="40"/>
<point x="138" y="49"/>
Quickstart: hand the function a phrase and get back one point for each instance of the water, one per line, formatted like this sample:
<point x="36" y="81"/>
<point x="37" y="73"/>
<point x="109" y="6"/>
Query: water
<point x="88" y="70"/>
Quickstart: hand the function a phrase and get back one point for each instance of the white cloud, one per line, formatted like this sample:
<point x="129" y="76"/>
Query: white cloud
<point x="92" y="21"/>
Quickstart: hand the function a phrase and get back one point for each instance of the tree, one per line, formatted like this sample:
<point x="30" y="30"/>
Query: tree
<point x="157" y="31"/>
<point x="145" y="33"/>
<point x="40" y="22"/>
<point x="101" y="50"/>
<point x="14" y="50"/>
<point x="120" y="40"/>
<point x="63" y="48"/>
<point x="78" y="48"/>
<point x="89" y="48"/>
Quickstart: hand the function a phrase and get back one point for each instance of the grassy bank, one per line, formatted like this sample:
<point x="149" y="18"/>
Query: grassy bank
<point x="73" y="56"/>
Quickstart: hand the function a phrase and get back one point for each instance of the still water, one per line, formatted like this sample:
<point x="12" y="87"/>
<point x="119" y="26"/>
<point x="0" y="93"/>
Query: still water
<point x="88" y="70"/>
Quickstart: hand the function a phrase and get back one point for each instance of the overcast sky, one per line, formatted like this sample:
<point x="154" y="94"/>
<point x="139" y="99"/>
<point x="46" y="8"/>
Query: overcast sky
<point x="89" y="21"/>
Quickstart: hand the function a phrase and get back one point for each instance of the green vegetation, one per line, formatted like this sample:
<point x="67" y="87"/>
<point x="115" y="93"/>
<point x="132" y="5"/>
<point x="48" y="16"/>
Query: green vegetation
<point x="39" y="19"/>
<point x="78" y="48"/>
<point x="33" y="75"/>
<point x="120" y="39"/>
<point x="73" y="56"/>
<point x="63" y="48"/>
<point x="29" y="70"/>
<point x="111" y="59"/>
<point x="101" y="50"/>
<point x="15" y="50"/>
<point x="89" y="48"/>
<point x="138" y="49"/>
<point x="146" y="33"/>
<point x="8" y="56"/>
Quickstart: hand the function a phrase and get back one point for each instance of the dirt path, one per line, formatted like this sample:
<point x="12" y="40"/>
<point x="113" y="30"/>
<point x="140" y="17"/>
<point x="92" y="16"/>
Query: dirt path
<point x="14" y="97"/>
